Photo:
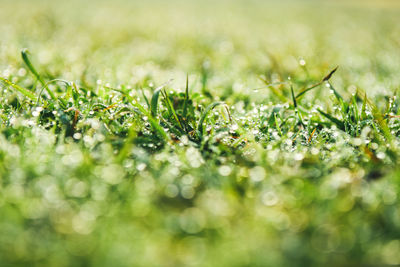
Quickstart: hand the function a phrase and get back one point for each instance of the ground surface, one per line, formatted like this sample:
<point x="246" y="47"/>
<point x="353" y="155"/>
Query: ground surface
<point x="199" y="133"/>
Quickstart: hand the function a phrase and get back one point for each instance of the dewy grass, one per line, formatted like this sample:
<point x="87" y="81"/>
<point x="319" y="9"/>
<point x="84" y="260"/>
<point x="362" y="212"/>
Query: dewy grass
<point x="131" y="135"/>
<point x="20" y="89"/>
<point x="28" y="63"/>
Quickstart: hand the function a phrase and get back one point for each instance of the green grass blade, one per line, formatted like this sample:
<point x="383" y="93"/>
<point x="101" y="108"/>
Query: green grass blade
<point x="204" y="116"/>
<point x="145" y="98"/>
<point x="23" y="91"/>
<point x="355" y="109"/>
<point x="364" y="107"/>
<point x="308" y="89"/>
<point x="67" y="83"/>
<point x="152" y="121"/>
<point x="277" y="125"/>
<point x="185" y="104"/>
<point x="338" y="123"/>
<point x="154" y="101"/>
<point x="293" y="97"/>
<point x="337" y="95"/>
<point x="24" y="54"/>
<point x="171" y="108"/>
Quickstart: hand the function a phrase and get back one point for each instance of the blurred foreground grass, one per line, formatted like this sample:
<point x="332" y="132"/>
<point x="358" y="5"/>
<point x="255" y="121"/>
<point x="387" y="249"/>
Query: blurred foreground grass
<point x="97" y="176"/>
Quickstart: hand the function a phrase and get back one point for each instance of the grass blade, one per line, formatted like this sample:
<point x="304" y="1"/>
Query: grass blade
<point x="327" y="77"/>
<point x="154" y="102"/>
<point x="294" y="98"/>
<point x="338" y="123"/>
<point x="152" y="121"/>
<point x="186" y="98"/>
<point x="277" y="125"/>
<point x="171" y="108"/>
<point x="355" y="109"/>
<point x="145" y="98"/>
<point x="67" y="83"/>
<point x="23" y="91"/>
<point x="154" y="99"/>
<point x="24" y="54"/>
<point x="337" y="95"/>
<point x="364" y="107"/>
<point x="204" y="116"/>
<point x="308" y="89"/>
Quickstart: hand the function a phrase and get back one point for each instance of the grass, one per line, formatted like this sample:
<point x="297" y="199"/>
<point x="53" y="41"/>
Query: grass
<point x="199" y="134"/>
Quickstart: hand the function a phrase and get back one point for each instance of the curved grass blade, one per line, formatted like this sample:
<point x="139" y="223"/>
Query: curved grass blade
<point x="24" y="54"/>
<point x="204" y="116"/>
<point x="20" y="89"/>
<point x="154" y="99"/>
<point x="67" y="83"/>
<point x="338" y="123"/>
<point x="228" y="112"/>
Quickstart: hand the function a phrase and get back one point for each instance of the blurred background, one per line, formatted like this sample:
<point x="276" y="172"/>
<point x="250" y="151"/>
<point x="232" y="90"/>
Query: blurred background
<point x="236" y="42"/>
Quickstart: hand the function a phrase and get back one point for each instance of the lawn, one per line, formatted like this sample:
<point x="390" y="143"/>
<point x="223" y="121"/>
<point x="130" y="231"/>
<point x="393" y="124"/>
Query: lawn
<point x="199" y="133"/>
